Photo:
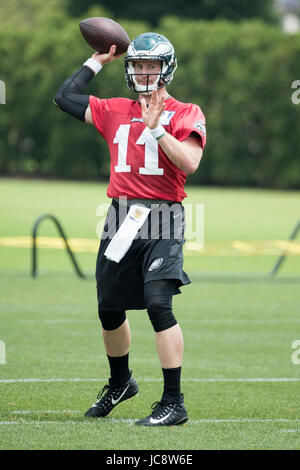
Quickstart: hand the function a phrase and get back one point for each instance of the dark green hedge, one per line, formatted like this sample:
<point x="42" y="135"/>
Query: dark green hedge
<point x="240" y="74"/>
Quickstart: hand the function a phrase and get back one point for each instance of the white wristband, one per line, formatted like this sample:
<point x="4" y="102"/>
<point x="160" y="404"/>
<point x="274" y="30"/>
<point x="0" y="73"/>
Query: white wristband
<point x="94" y="65"/>
<point x="158" y="132"/>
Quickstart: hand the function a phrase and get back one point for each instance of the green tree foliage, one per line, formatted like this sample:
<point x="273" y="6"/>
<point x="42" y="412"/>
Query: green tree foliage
<point x="241" y="76"/>
<point x="32" y="14"/>
<point x="152" y="11"/>
<point x="35" y="136"/>
<point x="239" y="73"/>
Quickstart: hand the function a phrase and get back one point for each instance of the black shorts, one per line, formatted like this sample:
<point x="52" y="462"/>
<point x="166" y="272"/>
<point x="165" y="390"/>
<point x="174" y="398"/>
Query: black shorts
<point x="155" y="253"/>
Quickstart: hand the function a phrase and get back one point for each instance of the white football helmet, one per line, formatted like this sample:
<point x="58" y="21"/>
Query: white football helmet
<point x="150" y="46"/>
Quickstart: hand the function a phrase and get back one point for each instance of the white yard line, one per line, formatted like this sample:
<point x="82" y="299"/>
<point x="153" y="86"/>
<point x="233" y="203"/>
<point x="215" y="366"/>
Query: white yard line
<point x="40" y="412"/>
<point x="38" y="422"/>
<point x="197" y="421"/>
<point x="132" y="421"/>
<point x="290" y="430"/>
<point x="149" y="379"/>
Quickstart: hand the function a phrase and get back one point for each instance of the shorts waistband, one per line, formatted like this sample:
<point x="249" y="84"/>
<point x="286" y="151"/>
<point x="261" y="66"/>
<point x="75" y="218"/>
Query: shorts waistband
<point x="144" y="202"/>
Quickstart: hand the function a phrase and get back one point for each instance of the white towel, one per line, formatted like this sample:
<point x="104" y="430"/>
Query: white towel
<point x="126" y="233"/>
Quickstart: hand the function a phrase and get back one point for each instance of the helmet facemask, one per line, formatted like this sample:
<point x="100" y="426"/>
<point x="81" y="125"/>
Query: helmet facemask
<point x="146" y="88"/>
<point x="150" y="47"/>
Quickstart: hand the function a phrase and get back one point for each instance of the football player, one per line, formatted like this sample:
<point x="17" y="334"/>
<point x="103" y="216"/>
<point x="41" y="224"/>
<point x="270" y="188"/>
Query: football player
<point x="155" y="141"/>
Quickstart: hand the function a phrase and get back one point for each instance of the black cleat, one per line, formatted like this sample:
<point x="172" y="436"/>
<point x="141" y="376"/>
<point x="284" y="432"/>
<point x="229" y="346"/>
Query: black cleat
<point x="165" y="414"/>
<point x="114" y="395"/>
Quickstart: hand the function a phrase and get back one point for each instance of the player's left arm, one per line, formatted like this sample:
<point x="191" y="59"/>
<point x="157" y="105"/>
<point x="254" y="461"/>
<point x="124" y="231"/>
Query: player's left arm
<point x="185" y="154"/>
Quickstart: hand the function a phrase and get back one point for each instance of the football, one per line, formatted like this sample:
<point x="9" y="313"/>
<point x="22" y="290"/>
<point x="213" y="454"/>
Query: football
<point x="101" y="33"/>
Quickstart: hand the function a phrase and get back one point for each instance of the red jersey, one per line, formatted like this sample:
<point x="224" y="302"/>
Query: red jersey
<point x="139" y="167"/>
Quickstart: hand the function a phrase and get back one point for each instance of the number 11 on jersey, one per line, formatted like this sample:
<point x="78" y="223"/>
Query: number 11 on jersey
<point x="151" y="151"/>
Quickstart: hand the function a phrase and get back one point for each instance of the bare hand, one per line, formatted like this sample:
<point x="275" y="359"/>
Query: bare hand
<point x="107" y="57"/>
<point x="156" y="106"/>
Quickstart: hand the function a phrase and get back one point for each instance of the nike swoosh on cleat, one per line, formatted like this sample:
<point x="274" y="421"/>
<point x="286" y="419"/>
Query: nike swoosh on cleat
<point x="161" y="420"/>
<point x="114" y="402"/>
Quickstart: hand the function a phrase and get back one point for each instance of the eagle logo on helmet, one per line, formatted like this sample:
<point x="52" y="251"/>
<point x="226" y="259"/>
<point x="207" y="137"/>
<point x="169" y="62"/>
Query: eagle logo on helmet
<point x="150" y="46"/>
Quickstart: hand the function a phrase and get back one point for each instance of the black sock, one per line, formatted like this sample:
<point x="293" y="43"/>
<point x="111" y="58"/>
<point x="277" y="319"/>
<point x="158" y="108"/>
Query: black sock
<point x="172" y="384"/>
<point x="119" y="371"/>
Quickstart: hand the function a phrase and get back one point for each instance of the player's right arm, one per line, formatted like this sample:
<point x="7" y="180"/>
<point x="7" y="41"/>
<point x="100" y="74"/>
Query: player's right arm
<point x="70" y="96"/>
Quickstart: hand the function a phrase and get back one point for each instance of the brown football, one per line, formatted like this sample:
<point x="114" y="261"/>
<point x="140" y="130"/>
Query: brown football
<point x="101" y="33"/>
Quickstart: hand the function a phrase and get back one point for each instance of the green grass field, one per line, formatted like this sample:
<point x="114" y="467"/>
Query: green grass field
<point x="241" y="387"/>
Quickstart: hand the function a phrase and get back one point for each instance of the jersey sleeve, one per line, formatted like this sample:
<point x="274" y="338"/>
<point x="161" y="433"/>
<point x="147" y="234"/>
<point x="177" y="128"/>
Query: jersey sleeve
<point x="189" y="120"/>
<point x="98" y="109"/>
